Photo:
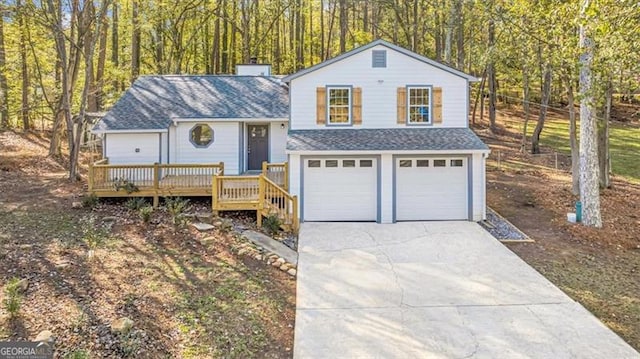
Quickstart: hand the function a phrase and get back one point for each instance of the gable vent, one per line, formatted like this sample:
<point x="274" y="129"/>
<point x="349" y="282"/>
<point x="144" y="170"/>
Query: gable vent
<point x="379" y="58"/>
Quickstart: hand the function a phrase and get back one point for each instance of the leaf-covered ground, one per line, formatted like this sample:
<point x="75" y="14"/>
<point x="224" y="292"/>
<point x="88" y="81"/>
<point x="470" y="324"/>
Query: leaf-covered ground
<point x="189" y="294"/>
<point x="599" y="268"/>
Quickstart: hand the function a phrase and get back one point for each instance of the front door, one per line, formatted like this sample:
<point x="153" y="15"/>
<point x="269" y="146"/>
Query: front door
<point x="257" y="146"/>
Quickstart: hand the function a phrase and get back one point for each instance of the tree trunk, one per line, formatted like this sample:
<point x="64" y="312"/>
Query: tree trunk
<point x="115" y="44"/>
<point x="343" y="26"/>
<point x="589" y="187"/>
<point x="604" y="157"/>
<point x="437" y="35"/>
<point x="546" y="94"/>
<point x="479" y="96"/>
<point x="214" y="59"/>
<point x="65" y="107"/>
<point x="460" y="35"/>
<point x="102" y="59"/>
<point x="448" y="38"/>
<point x="573" y="137"/>
<point x="491" y="77"/>
<point x="225" y="38"/>
<point x="525" y="106"/>
<point x="24" y="69"/>
<point x="4" y="85"/>
<point x="322" y="44"/>
<point x="135" y="41"/>
<point x="89" y="38"/>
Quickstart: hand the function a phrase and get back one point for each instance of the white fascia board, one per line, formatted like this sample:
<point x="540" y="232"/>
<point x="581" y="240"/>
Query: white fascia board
<point x="262" y="119"/>
<point x="363" y="153"/>
<point x="130" y="131"/>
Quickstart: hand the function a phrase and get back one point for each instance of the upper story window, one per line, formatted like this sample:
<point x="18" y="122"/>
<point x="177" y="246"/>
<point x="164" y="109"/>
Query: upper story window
<point x="339" y="104"/>
<point x="201" y="135"/>
<point x="419" y="107"/>
<point x="379" y="58"/>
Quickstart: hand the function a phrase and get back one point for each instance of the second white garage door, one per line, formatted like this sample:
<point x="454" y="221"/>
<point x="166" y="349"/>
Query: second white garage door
<point x="432" y="189"/>
<point x="340" y="189"/>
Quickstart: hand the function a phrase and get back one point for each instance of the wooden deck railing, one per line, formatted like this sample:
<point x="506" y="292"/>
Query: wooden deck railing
<point x="156" y="180"/>
<point x="276" y="200"/>
<point x="266" y="193"/>
<point x="234" y="193"/>
<point x="259" y="193"/>
<point x="277" y="172"/>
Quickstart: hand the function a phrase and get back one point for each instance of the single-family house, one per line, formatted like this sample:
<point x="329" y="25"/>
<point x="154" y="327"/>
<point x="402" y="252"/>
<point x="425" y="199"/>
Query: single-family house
<point x="376" y="134"/>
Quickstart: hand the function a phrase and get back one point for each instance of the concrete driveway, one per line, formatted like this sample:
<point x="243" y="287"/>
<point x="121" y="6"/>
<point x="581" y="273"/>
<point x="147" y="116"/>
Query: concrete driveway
<point x="433" y="290"/>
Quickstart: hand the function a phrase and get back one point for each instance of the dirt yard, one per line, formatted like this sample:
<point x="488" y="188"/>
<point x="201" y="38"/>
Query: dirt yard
<point x="599" y="268"/>
<point x="189" y="294"/>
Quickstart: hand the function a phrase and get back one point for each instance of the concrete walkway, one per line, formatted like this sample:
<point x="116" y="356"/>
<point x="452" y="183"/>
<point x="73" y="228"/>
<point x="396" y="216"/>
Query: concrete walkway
<point x="433" y="290"/>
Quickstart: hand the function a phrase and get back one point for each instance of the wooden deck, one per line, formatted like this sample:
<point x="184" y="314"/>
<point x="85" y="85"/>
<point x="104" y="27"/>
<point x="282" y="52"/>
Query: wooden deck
<point x="266" y="193"/>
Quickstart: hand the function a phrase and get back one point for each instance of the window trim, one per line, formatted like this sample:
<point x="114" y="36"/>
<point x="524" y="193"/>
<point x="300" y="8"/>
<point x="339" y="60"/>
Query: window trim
<point x="408" y="104"/>
<point x="191" y="137"/>
<point x="328" y="89"/>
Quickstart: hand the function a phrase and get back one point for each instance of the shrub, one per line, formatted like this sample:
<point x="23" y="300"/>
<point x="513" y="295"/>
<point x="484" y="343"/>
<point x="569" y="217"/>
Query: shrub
<point x="78" y="354"/>
<point x="176" y="207"/>
<point x="272" y="224"/>
<point x="135" y="203"/>
<point x="93" y="235"/>
<point x="90" y="201"/>
<point x="12" y="297"/>
<point x="226" y="225"/>
<point x="126" y="185"/>
<point x="145" y="213"/>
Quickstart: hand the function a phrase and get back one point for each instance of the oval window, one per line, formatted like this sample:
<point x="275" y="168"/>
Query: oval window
<point x="201" y="135"/>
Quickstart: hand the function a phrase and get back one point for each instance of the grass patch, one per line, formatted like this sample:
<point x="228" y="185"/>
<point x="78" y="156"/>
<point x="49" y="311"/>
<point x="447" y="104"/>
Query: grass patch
<point x="624" y="142"/>
<point x="208" y="316"/>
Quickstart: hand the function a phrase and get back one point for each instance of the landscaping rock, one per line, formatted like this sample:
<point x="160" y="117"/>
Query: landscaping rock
<point x="242" y="251"/>
<point x="207" y="240"/>
<point x="285" y="267"/>
<point x="63" y="264"/>
<point x="258" y="257"/>
<point x="280" y="261"/>
<point x="271" y="245"/>
<point x="44" y="336"/>
<point x="23" y="285"/>
<point x="109" y="219"/>
<point x="202" y="227"/>
<point x="76" y="205"/>
<point x="204" y="216"/>
<point x="292" y="272"/>
<point x="276" y="264"/>
<point x="122" y="325"/>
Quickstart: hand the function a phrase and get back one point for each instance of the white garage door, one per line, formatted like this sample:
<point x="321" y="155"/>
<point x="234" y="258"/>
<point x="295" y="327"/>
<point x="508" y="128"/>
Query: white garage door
<point x="340" y="189"/>
<point x="431" y="189"/>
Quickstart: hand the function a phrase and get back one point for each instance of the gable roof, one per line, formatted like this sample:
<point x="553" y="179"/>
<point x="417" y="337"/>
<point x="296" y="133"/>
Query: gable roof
<point x="388" y="45"/>
<point x="386" y="139"/>
<point x="153" y="102"/>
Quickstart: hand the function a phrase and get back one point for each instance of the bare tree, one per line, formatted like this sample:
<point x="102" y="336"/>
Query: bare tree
<point x="24" y="69"/>
<point x="546" y="94"/>
<point x="135" y="41"/>
<point x="4" y="85"/>
<point x="491" y="78"/>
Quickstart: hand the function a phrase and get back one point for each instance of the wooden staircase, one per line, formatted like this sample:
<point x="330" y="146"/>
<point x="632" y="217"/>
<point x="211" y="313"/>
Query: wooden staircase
<point x="266" y="193"/>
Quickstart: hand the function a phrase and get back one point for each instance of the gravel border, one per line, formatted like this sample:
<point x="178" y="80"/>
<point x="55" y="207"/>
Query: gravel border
<point x="502" y="229"/>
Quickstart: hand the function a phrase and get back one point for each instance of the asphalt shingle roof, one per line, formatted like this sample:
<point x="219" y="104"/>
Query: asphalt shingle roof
<point x="392" y="139"/>
<point x="152" y="102"/>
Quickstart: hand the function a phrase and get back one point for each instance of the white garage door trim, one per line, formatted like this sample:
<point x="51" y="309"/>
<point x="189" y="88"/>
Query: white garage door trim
<point x="468" y="177"/>
<point x="368" y="211"/>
